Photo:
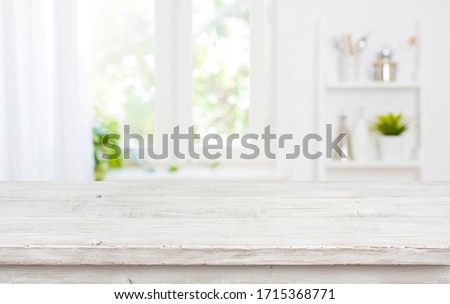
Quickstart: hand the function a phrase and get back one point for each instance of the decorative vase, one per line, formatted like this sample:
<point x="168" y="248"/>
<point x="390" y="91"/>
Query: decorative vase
<point x="392" y="148"/>
<point x="361" y="139"/>
<point x="345" y="144"/>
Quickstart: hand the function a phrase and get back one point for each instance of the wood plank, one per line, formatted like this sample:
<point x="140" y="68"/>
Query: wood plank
<point x="229" y="256"/>
<point x="225" y="274"/>
<point x="224" y="207"/>
<point x="227" y="232"/>
<point x="186" y="189"/>
<point x="227" y="241"/>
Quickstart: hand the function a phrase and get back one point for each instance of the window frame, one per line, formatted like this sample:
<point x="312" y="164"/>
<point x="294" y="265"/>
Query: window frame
<point x="173" y="70"/>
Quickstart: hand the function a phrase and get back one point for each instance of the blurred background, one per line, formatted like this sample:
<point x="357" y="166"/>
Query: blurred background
<point x="74" y="70"/>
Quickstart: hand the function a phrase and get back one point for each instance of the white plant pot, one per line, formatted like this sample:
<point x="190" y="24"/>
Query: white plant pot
<point x="392" y="148"/>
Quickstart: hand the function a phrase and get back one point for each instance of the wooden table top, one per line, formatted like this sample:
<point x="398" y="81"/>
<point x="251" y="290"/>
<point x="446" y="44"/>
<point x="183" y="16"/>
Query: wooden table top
<point x="226" y="223"/>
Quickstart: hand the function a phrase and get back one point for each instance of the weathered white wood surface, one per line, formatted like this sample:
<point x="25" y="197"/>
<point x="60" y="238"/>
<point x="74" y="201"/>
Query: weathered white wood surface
<point x="107" y="227"/>
<point x="225" y="274"/>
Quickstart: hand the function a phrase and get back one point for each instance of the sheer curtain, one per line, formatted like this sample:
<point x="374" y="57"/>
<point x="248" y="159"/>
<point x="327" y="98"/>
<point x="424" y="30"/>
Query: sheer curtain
<point x="45" y="121"/>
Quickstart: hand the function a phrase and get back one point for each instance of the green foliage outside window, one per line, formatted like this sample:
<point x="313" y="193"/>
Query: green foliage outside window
<point x="221" y="42"/>
<point x="104" y="125"/>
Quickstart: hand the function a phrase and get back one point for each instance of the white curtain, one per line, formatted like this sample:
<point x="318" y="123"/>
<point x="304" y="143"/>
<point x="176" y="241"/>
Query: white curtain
<point x="45" y="121"/>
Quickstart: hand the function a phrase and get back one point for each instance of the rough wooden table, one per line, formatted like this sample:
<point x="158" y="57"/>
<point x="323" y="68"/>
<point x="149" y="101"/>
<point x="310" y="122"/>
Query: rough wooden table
<point x="255" y="232"/>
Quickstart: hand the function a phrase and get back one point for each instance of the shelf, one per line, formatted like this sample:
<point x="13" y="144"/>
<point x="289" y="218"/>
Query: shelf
<point x="373" y="86"/>
<point x="400" y="165"/>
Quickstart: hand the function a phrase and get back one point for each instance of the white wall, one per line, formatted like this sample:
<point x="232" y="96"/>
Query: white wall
<point x="296" y="57"/>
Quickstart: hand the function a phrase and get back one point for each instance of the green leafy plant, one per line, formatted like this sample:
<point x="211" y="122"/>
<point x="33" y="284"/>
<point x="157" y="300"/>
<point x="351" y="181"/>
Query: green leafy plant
<point x="390" y="124"/>
<point x="173" y="169"/>
<point x="104" y="125"/>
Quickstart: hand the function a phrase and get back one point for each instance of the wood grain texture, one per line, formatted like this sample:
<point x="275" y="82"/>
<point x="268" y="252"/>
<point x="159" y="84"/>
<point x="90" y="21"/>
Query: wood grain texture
<point x="191" y="224"/>
<point x="196" y="189"/>
<point x="224" y="207"/>
<point x="224" y="274"/>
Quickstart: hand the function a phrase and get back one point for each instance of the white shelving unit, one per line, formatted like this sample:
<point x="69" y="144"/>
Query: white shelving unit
<point x="335" y="98"/>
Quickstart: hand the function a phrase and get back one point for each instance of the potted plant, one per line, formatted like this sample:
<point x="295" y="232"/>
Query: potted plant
<point x="391" y="128"/>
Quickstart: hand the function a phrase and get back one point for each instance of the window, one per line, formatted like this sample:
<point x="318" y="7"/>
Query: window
<point x="122" y="48"/>
<point x="221" y="66"/>
<point x="160" y="63"/>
